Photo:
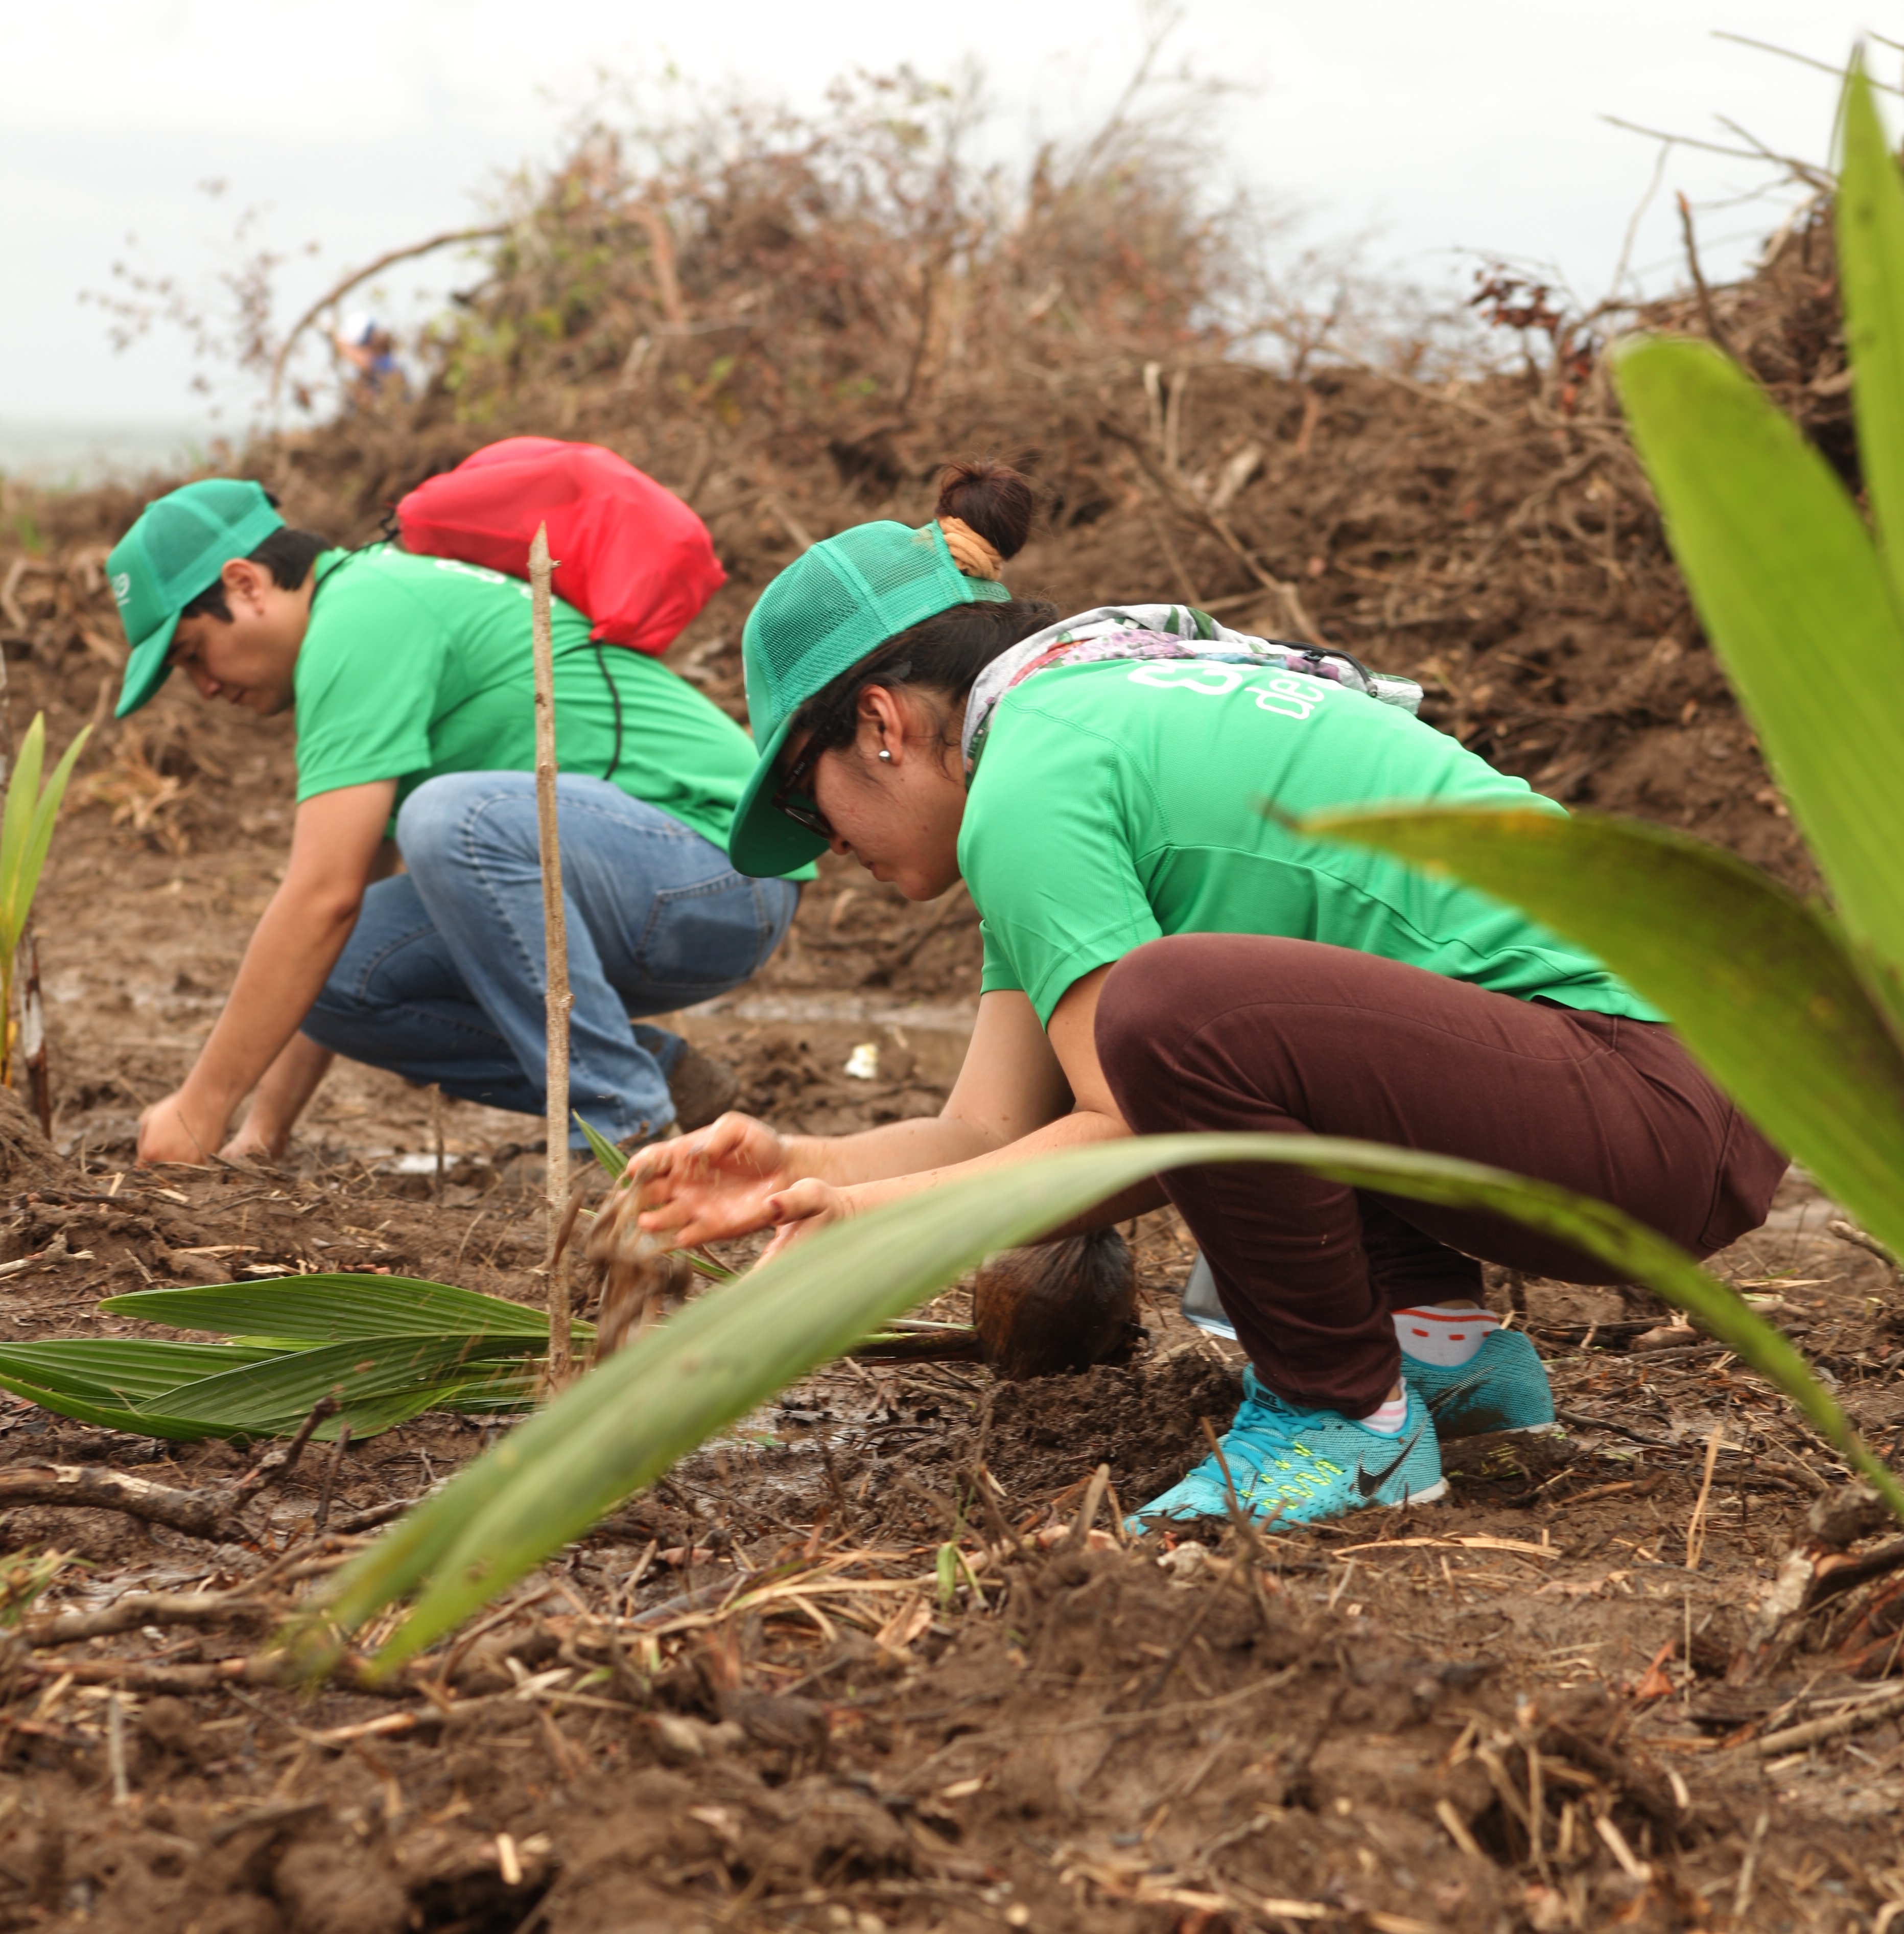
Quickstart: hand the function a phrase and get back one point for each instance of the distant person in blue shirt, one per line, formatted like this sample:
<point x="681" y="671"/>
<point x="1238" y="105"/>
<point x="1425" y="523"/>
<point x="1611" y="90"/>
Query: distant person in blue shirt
<point x="370" y="349"/>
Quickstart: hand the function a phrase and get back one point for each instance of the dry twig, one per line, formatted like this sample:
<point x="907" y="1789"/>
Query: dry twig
<point x="1854" y="1719"/>
<point x="138" y="1609"/>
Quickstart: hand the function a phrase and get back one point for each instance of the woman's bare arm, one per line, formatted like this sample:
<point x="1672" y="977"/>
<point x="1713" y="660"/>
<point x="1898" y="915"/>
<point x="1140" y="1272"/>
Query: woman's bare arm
<point x="719" y="1181"/>
<point x="1021" y="1093"/>
<point x="1092" y="1116"/>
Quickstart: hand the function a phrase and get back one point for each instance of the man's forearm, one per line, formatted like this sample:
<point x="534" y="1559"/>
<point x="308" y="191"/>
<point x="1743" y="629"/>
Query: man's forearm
<point x="291" y="956"/>
<point x="283" y="1091"/>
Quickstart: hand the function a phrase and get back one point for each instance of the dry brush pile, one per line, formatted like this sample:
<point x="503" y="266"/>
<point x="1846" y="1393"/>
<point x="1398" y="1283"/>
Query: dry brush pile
<point x="792" y="323"/>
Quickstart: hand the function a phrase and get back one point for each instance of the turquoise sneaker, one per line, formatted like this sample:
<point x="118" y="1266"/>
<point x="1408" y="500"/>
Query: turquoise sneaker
<point x="1502" y="1387"/>
<point x="1302" y="1466"/>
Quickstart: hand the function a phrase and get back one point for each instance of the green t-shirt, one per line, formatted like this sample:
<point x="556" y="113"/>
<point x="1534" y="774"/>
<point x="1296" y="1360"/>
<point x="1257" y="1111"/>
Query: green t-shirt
<point x="414" y="667"/>
<point x="1115" y="802"/>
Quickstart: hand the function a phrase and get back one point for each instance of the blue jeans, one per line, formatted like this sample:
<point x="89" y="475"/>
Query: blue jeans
<point x="442" y="979"/>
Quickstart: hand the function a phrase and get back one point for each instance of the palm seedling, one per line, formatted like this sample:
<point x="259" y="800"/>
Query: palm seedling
<point x="385" y="1348"/>
<point x="26" y="825"/>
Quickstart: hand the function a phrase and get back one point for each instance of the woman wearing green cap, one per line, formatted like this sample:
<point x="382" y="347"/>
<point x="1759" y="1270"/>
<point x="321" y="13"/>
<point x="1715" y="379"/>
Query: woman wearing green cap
<point x="1162" y="955"/>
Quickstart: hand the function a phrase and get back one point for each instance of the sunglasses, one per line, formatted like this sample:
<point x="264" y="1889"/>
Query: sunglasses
<point x="795" y="796"/>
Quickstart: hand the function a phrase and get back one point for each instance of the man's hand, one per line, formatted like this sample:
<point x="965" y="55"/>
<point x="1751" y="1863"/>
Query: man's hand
<point x="177" y="1128"/>
<point x="335" y="843"/>
<point x="719" y="1181"/>
<point x="289" y="1082"/>
<point x="248" y="1145"/>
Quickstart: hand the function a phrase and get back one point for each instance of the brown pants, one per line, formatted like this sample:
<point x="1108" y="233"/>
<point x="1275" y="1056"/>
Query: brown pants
<point x="1207" y="1031"/>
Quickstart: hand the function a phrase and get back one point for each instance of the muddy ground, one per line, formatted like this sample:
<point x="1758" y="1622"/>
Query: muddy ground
<point x="746" y="1702"/>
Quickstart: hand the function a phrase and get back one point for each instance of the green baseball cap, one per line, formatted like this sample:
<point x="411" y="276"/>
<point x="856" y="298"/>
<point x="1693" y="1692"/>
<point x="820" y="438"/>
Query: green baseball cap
<point x="173" y="552"/>
<point x="831" y="607"/>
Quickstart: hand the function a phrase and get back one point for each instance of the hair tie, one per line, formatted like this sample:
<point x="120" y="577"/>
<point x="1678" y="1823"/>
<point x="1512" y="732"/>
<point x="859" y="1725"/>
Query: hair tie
<point x="974" y="555"/>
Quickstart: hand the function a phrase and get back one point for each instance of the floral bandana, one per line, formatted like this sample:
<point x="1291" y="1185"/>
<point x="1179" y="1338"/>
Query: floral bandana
<point x="1159" y="631"/>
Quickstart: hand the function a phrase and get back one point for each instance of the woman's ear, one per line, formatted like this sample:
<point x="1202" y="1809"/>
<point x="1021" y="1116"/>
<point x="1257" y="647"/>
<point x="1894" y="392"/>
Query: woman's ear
<point x="883" y="722"/>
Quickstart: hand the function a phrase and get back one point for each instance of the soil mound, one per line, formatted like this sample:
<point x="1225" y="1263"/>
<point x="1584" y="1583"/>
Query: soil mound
<point x="27" y="1159"/>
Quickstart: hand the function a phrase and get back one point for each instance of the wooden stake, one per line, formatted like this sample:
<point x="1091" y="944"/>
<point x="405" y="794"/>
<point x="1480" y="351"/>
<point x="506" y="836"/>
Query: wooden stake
<point x="555" y="941"/>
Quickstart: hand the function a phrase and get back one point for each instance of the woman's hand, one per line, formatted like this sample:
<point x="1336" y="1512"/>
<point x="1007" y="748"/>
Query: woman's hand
<point x="717" y="1182"/>
<point x="809" y="1205"/>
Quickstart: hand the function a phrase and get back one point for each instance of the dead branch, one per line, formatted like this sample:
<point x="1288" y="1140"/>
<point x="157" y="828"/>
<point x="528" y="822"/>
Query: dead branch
<point x="137" y="1609"/>
<point x="274" y="1466"/>
<point x="1802" y="171"/>
<point x="1837" y="72"/>
<point x="208" y="1513"/>
<point x="1294" y="616"/>
<point x="200" y="1514"/>
<point x="1449" y="398"/>
<point x="137" y="1675"/>
<point x="1870" y="1712"/>
<point x="955" y="909"/>
<point x="1075" y="1539"/>
<point x="557" y="998"/>
<point x="1645" y="1788"/>
<point x="370" y="1518"/>
<point x="279" y="1813"/>
<point x="1816" y="1567"/>
<point x="351" y="1672"/>
<point x="1833" y="1579"/>
<point x="1849" y="1232"/>
<point x="1713" y="328"/>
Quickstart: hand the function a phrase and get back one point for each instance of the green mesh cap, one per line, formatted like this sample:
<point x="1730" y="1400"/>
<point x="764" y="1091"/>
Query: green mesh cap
<point x="831" y="607"/>
<point x="176" y="549"/>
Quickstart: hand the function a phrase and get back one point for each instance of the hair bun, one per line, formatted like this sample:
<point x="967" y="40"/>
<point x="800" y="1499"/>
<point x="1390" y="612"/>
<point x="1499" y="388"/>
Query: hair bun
<point x="992" y="498"/>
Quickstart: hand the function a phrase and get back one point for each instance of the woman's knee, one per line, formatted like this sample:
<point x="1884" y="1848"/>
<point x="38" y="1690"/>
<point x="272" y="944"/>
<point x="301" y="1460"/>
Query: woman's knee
<point x="1150" y="1002"/>
<point x="1133" y="1010"/>
<point x="1160" y="993"/>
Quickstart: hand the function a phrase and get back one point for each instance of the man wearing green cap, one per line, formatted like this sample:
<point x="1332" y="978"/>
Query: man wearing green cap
<point x="411" y="679"/>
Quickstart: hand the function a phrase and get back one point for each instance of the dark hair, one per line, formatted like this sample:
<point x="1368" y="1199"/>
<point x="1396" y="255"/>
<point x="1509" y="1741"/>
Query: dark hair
<point x="944" y="654"/>
<point x="288" y="555"/>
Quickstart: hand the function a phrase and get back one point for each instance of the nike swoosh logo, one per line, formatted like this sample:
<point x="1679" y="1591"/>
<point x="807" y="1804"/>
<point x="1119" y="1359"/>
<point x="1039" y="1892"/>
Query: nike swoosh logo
<point x="1456" y="1395"/>
<point x="1369" y="1482"/>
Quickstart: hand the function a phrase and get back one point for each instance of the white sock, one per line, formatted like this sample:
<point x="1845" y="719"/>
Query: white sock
<point x="1440" y="1334"/>
<point x="1386" y="1418"/>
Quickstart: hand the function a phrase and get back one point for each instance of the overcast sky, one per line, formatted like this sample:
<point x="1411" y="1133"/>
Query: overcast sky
<point x="1467" y="126"/>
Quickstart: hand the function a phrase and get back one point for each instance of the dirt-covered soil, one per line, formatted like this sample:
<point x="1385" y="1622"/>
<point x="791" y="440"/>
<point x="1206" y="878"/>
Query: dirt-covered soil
<point x="752" y="1700"/>
<point x="747" y="1701"/>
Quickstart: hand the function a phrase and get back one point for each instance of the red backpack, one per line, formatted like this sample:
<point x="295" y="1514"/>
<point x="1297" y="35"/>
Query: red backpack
<point x="630" y="555"/>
